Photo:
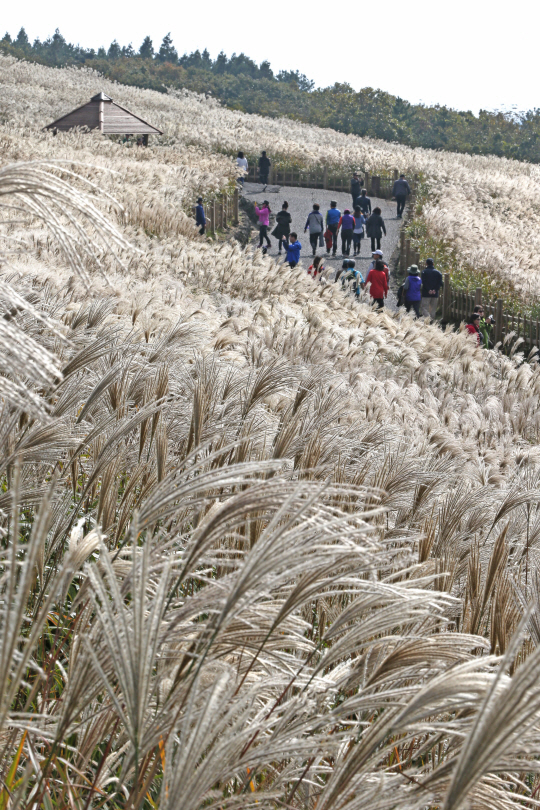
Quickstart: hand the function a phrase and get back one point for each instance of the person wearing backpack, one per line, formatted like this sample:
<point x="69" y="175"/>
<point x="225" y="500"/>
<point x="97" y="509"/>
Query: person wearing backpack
<point x="315" y="225"/>
<point x="333" y="215"/>
<point x="375" y="228"/>
<point x="432" y="282"/>
<point x="346" y="223"/>
<point x="264" y="221"/>
<point x="358" y="232"/>
<point x="412" y="290"/>
<point x="283" y="225"/>
<point x="378" y="282"/>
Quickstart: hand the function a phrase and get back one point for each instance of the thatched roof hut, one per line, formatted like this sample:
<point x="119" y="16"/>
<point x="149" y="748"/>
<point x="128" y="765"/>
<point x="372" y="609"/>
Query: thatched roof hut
<point x="102" y="113"/>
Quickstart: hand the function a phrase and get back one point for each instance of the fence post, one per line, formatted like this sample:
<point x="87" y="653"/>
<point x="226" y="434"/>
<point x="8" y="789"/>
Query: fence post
<point x="408" y="252"/>
<point x="498" y="321"/>
<point x="478" y="296"/>
<point x="325" y="177"/>
<point x="446" y="298"/>
<point x="402" y="251"/>
<point x="236" y="203"/>
<point x="417" y="258"/>
<point x="212" y="217"/>
<point x="222" y="211"/>
<point x="366" y="181"/>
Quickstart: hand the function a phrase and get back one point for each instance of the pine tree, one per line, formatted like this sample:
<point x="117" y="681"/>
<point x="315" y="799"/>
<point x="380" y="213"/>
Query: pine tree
<point x="114" y="51"/>
<point x="22" y="40"/>
<point x="128" y="51"/>
<point x="167" y="51"/>
<point x="146" y="51"/>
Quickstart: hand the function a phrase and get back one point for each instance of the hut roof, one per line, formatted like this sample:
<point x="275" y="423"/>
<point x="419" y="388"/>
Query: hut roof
<point x="102" y="113"/>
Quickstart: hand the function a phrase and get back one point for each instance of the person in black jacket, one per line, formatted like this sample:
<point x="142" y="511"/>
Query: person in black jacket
<point x="432" y="282"/>
<point x="364" y="203"/>
<point x="401" y="191"/>
<point x="375" y="228"/>
<point x="356" y="187"/>
<point x="264" y="169"/>
<point x="283" y="225"/>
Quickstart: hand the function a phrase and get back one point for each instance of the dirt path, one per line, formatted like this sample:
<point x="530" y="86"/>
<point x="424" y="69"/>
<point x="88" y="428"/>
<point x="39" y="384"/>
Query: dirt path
<point x="300" y="204"/>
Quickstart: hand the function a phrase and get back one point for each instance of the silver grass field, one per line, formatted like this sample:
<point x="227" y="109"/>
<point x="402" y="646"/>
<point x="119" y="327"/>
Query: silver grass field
<point x="259" y="545"/>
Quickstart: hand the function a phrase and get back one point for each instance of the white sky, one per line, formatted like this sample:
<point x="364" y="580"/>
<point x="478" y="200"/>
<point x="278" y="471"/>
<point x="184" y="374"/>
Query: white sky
<point x="468" y="54"/>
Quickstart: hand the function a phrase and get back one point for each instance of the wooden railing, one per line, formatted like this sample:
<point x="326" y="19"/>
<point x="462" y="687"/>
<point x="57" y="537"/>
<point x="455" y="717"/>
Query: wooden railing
<point x="221" y="212"/>
<point x="458" y="304"/>
<point x="325" y="179"/>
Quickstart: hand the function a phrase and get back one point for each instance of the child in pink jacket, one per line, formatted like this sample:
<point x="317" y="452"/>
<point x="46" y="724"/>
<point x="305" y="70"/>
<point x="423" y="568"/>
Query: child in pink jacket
<point x="264" y="221"/>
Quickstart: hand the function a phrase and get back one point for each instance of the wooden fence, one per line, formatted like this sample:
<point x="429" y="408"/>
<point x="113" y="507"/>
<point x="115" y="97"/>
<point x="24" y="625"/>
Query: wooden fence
<point x="325" y="179"/>
<point x="458" y="304"/>
<point x="222" y="212"/>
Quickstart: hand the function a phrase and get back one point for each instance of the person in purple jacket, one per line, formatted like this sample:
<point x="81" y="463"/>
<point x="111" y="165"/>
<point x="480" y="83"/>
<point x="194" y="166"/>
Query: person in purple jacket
<point x="412" y="290"/>
<point x="346" y="223"/>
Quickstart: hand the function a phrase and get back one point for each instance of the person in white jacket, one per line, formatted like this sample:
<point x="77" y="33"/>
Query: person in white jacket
<point x="242" y="163"/>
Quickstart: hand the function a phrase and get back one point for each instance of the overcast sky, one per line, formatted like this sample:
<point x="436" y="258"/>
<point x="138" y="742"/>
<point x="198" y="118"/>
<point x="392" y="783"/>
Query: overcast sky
<point x="468" y="54"/>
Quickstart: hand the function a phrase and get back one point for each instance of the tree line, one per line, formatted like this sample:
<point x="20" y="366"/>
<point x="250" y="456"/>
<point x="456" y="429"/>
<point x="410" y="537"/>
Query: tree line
<point x="241" y="84"/>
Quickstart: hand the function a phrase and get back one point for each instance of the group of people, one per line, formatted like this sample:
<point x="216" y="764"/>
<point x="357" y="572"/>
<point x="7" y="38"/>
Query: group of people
<point x="324" y="231"/>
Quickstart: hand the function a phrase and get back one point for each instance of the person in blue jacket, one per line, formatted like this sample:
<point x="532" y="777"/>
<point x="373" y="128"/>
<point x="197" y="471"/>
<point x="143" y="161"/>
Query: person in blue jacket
<point x="200" y="217"/>
<point x="293" y="248"/>
<point x="333" y="215"/>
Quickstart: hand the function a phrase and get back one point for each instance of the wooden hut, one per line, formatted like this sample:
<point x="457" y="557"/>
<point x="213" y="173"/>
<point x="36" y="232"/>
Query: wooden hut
<point x="102" y="113"/>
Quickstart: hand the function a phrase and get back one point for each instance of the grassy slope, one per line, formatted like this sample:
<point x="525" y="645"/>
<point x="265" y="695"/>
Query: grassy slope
<point x="404" y="462"/>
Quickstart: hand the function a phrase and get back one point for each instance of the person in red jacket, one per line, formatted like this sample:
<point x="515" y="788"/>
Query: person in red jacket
<point x="472" y="326"/>
<point x="379" y="283"/>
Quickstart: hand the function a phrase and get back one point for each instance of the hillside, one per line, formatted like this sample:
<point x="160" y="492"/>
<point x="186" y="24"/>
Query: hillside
<point x="243" y="85"/>
<point x="261" y="545"/>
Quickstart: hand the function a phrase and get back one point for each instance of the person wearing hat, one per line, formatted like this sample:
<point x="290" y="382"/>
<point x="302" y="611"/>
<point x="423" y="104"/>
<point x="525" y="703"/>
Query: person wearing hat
<point x="432" y="282"/>
<point x="264" y="221"/>
<point x="333" y="216"/>
<point x="356" y="187"/>
<point x="401" y="191"/>
<point x="412" y="290"/>
<point x="377" y="255"/>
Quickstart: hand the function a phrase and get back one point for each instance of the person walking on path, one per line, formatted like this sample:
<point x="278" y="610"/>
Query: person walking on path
<point x="315" y="225"/>
<point x="412" y="290"/>
<point x="264" y="169"/>
<point x="401" y="191"/>
<point x="375" y="257"/>
<point x="242" y="164"/>
<point x="346" y="223"/>
<point x="432" y="282"/>
<point x="264" y="221"/>
<point x="333" y="216"/>
<point x="200" y="216"/>
<point x="375" y="228"/>
<point x="283" y="224"/>
<point x="358" y="232"/>
<point x="293" y="248"/>
<point x="473" y="327"/>
<point x="378" y="282"/>
<point x="356" y="187"/>
<point x="364" y="203"/>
